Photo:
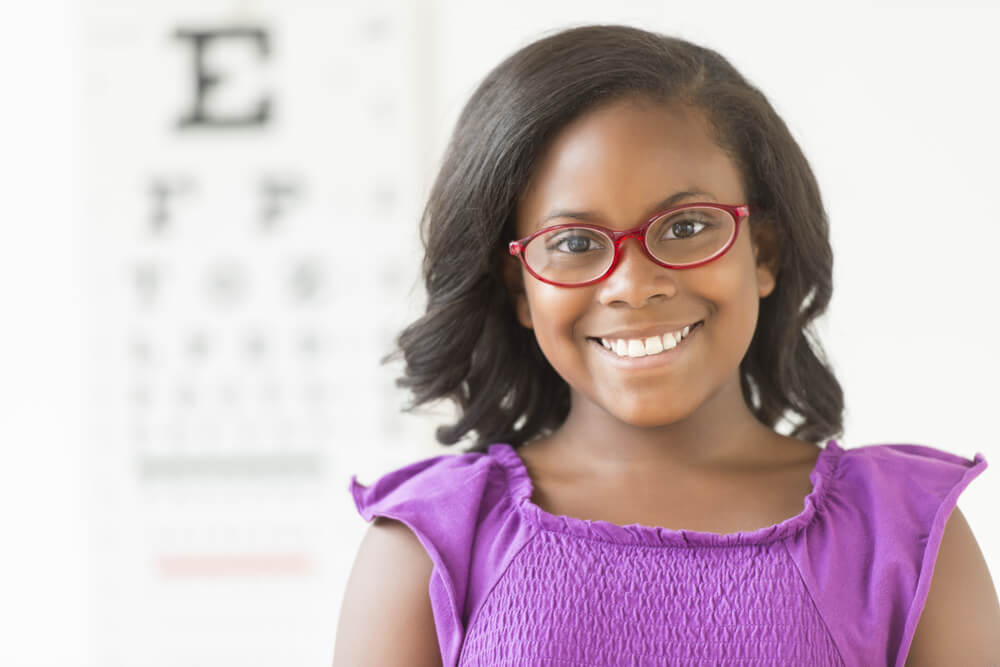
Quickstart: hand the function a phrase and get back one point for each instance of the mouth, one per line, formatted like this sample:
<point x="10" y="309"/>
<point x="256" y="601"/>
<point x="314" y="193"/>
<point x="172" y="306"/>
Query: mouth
<point x="662" y="345"/>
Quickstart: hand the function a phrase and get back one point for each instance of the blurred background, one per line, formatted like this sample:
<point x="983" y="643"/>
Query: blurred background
<point x="211" y="216"/>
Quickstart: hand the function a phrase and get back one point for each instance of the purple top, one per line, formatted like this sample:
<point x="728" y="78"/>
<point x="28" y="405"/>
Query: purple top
<point x="841" y="583"/>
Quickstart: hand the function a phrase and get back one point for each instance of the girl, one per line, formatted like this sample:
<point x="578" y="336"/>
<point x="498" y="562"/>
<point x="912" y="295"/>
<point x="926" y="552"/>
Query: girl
<point x="624" y="251"/>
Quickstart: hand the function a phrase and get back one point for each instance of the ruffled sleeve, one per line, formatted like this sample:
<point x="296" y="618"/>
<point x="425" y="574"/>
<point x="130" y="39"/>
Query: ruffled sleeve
<point x="870" y="557"/>
<point x="439" y="499"/>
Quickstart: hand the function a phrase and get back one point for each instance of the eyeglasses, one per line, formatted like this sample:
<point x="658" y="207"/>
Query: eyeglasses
<point x="682" y="237"/>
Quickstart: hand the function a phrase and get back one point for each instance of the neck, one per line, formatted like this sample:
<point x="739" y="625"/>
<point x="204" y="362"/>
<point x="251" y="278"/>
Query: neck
<point x="721" y="434"/>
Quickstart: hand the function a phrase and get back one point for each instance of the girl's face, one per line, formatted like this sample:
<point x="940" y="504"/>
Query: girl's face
<point x="615" y="166"/>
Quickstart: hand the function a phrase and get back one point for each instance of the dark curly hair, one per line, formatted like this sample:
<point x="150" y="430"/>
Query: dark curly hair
<point x="469" y="346"/>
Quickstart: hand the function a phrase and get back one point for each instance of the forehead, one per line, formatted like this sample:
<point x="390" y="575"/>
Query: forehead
<point x="618" y="161"/>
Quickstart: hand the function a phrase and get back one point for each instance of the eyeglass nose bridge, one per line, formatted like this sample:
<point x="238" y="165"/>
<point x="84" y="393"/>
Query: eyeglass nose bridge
<point x="619" y="238"/>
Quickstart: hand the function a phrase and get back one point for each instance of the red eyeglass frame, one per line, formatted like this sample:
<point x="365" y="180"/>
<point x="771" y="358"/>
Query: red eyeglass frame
<point x="739" y="213"/>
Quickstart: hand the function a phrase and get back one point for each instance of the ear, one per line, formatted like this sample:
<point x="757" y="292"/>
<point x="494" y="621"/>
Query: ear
<point x="513" y="277"/>
<point x="766" y="255"/>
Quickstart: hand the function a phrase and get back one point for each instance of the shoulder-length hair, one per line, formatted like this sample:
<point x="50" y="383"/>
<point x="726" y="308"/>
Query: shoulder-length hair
<point x="469" y="346"/>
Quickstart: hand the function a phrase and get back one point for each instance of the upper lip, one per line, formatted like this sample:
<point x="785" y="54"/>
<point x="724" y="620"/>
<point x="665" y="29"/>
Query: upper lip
<point x="645" y="332"/>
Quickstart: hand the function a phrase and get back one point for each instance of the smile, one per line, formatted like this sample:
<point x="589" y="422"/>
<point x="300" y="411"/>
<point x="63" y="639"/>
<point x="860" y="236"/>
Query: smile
<point x="647" y="347"/>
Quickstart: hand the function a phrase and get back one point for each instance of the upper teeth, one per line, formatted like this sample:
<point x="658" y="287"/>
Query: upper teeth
<point x="641" y="347"/>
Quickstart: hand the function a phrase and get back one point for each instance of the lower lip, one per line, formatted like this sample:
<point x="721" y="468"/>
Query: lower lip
<point x="649" y="361"/>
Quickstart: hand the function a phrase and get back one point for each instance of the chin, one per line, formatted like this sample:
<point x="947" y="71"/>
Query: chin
<point x="641" y="416"/>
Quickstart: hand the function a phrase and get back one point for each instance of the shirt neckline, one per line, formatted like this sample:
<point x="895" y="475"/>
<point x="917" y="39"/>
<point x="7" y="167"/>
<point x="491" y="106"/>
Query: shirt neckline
<point x="520" y="486"/>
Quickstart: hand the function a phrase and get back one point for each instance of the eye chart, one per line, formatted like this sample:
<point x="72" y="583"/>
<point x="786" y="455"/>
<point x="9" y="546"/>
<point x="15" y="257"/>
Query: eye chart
<point x="251" y="193"/>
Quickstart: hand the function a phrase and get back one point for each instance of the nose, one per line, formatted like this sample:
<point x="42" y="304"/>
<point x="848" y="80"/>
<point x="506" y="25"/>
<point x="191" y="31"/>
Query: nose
<point x="637" y="279"/>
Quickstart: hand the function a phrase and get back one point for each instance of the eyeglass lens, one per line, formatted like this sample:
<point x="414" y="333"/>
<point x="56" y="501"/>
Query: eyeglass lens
<point x="579" y="254"/>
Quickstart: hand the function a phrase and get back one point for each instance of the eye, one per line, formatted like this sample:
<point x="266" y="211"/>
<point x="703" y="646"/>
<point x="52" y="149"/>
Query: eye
<point x="683" y="229"/>
<point x="574" y="242"/>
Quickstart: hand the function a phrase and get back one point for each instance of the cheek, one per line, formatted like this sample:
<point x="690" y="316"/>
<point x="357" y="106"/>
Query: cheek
<point x="556" y="312"/>
<point x="737" y="276"/>
<point x="735" y="289"/>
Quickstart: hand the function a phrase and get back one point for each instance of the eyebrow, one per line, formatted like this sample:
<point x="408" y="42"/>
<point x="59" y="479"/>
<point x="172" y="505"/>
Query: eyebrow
<point x="590" y="216"/>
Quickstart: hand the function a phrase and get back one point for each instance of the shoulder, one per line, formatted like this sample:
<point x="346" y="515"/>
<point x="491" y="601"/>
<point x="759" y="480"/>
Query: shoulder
<point x="387" y="595"/>
<point x="429" y="517"/>
<point x="900" y="494"/>
<point x="885" y="514"/>
<point x="917" y="471"/>
<point x="960" y="622"/>
<point x="444" y="501"/>
<point x="448" y="480"/>
<point x="906" y="453"/>
<point x="909" y="494"/>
